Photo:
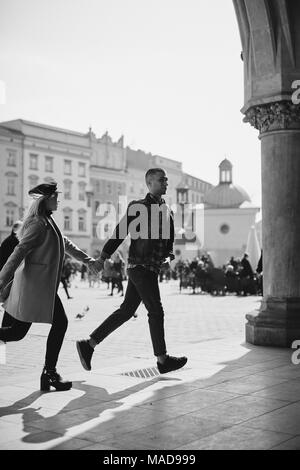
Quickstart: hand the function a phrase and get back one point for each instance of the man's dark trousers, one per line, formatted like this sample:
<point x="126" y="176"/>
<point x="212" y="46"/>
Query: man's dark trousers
<point x="142" y="286"/>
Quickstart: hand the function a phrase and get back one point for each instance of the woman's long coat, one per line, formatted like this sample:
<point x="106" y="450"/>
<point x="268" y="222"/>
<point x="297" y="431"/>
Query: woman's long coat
<point x="35" y="266"/>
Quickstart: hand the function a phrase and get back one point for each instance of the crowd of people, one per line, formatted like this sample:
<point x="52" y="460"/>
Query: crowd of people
<point x="237" y="276"/>
<point x="198" y="275"/>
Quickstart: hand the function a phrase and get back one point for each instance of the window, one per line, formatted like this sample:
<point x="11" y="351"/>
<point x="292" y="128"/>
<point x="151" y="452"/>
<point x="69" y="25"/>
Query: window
<point x="10" y="217"/>
<point x="108" y="187"/>
<point x="68" y="167"/>
<point x="33" y="161"/>
<point x="11" y="189"/>
<point x="49" y="164"/>
<point x="119" y="188"/>
<point x="11" y="159"/>
<point x="224" y="229"/>
<point x="109" y="206"/>
<point x="81" y="169"/>
<point x="97" y="186"/>
<point x="225" y="176"/>
<point x="33" y="181"/>
<point x="68" y="189"/>
<point x="81" y="223"/>
<point x="67" y="222"/>
<point x="81" y="191"/>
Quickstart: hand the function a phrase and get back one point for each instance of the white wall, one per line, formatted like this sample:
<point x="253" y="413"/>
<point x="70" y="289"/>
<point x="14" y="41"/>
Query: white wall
<point x="222" y="246"/>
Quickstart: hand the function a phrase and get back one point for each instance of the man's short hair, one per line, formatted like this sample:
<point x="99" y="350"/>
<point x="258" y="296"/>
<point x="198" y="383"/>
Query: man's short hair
<point x="151" y="172"/>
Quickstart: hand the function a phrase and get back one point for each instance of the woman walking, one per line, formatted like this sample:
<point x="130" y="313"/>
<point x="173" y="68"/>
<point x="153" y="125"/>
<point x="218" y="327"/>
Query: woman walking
<point x="35" y="267"/>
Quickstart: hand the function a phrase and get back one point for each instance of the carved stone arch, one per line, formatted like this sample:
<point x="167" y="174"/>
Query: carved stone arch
<point x="271" y="52"/>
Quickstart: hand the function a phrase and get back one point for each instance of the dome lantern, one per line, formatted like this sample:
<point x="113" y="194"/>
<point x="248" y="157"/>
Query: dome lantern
<point x="226" y="194"/>
<point x="225" y="172"/>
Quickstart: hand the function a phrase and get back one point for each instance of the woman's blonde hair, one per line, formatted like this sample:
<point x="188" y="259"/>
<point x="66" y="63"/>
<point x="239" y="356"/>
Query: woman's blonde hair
<point x="36" y="209"/>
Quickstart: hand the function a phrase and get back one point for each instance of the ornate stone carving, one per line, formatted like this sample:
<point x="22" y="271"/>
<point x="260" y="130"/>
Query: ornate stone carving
<point x="274" y="116"/>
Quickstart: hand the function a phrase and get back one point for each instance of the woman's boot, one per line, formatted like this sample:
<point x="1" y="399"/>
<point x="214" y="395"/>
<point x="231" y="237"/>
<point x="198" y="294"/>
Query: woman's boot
<point x="50" y="378"/>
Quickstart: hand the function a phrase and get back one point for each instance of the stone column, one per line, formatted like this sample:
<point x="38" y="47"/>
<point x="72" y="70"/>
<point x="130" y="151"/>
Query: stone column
<point x="271" y="54"/>
<point x="278" y="321"/>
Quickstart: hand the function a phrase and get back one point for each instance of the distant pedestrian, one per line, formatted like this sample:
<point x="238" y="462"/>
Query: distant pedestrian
<point x="117" y="274"/>
<point x="247" y="270"/>
<point x="83" y="272"/>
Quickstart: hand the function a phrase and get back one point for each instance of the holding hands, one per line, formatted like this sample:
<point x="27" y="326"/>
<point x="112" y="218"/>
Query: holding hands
<point x="96" y="265"/>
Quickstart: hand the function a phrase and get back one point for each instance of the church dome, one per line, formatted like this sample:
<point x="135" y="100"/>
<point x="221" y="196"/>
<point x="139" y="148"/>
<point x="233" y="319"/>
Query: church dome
<point x="226" y="194"/>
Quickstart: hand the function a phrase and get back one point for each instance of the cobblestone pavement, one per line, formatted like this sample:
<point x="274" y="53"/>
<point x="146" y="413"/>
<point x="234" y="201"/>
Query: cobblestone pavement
<point x="189" y="319"/>
<point x="230" y="395"/>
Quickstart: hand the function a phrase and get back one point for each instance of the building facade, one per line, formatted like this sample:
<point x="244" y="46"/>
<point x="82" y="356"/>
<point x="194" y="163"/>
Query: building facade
<point x="97" y="178"/>
<point x="11" y="187"/>
<point x="44" y="153"/>
<point x="108" y="181"/>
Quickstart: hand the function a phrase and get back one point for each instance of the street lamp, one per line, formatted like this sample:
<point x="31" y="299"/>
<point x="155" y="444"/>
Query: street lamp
<point x="182" y="199"/>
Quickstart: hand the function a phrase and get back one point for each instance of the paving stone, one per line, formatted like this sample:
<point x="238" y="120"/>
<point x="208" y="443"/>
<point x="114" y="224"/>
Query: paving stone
<point x="225" y="381"/>
<point x="238" y="438"/>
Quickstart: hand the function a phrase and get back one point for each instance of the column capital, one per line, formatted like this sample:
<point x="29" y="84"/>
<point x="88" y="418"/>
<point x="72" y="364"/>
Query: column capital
<point x="274" y="116"/>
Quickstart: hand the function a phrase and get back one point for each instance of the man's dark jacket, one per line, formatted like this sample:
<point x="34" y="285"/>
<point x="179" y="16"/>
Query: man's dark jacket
<point x="153" y="239"/>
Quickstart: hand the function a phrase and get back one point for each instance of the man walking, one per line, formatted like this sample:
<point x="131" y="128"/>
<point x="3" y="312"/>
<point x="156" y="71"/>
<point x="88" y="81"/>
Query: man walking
<point x="150" y="224"/>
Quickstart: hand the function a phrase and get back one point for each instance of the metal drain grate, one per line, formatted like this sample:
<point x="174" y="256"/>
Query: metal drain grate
<point x="147" y="373"/>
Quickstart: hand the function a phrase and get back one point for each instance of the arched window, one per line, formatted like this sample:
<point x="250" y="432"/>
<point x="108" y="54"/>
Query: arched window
<point x="67" y="222"/>
<point x="82" y="220"/>
<point x="10" y="217"/>
<point x="67" y="218"/>
<point x="10" y="213"/>
<point x="11" y="186"/>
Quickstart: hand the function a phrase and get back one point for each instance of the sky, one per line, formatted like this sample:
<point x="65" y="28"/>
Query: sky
<point x="166" y="74"/>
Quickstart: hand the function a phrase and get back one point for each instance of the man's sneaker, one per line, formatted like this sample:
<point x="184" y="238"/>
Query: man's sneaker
<point x="85" y="352"/>
<point x="171" y="363"/>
